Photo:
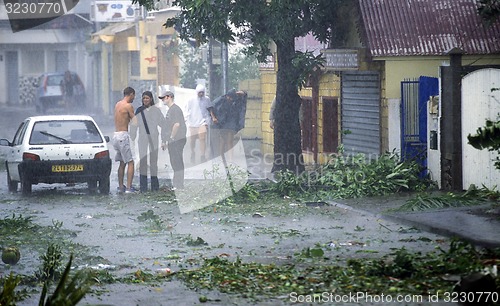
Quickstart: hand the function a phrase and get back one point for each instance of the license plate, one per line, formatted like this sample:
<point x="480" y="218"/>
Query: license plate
<point x="67" y="168"/>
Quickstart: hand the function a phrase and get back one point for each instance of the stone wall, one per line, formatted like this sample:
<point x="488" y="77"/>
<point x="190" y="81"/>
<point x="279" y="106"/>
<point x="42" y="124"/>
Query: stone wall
<point x="27" y="90"/>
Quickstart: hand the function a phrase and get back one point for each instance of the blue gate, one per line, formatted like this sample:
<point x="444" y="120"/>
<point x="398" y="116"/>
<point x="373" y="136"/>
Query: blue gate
<point x="414" y="97"/>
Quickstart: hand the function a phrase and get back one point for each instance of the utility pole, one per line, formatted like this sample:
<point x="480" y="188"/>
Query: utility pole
<point x="225" y="66"/>
<point x="218" y="65"/>
<point x="214" y="68"/>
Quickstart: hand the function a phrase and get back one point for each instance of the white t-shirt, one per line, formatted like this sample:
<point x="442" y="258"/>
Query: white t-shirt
<point x="197" y="113"/>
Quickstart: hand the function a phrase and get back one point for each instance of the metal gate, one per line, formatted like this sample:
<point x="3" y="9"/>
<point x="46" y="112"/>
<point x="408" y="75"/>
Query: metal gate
<point x="414" y="96"/>
<point x="360" y="106"/>
<point x="480" y="101"/>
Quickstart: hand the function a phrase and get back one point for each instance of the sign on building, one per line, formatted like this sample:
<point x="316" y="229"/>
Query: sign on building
<point x="115" y="11"/>
<point x="340" y="59"/>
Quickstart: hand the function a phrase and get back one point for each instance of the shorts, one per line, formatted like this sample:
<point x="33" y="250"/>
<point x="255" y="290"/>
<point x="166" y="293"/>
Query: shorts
<point x="121" y="144"/>
<point x="195" y="131"/>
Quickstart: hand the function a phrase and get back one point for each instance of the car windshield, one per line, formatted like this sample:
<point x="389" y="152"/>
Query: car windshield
<point x="64" y="132"/>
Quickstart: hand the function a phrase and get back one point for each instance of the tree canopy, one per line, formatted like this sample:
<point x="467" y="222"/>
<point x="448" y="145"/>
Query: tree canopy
<point x="489" y="10"/>
<point x="256" y="23"/>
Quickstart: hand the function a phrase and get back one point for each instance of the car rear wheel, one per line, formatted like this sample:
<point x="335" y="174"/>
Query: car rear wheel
<point x="25" y="185"/>
<point x="12" y="184"/>
<point x="42" y="107"/>
<point x="104" y="186"/>
<point x="92" y="184"/>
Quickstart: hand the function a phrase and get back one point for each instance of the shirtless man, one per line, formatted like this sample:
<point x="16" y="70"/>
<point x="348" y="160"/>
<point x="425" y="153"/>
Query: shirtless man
<point x="124" y="115"/>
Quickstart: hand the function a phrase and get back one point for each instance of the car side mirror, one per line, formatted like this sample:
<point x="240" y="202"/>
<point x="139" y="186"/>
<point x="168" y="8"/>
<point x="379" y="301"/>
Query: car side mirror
<point x="4" y="142"/>
<point x="106" y="138"/>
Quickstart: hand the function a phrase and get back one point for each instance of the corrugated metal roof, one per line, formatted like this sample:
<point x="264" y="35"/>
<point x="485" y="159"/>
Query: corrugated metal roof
<point x="426" y="27"/>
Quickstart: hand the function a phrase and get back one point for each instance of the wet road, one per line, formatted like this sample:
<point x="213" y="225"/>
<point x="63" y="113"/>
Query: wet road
<point x="110" y="229"/>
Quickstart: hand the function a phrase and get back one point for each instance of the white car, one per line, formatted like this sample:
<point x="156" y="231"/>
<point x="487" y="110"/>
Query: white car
<point x="49" y="92"/>
<point x="58" y="149"/>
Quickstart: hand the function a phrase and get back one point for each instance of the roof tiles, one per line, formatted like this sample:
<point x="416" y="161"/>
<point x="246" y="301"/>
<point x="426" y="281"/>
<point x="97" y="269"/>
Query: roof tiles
<point x="426" y="27"/>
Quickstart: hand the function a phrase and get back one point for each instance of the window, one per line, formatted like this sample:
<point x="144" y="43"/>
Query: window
<point x="18" y="138"/>
<point x="66" y="131"/>
<point x="33" y="62"/>
<point x="135" y="63"/>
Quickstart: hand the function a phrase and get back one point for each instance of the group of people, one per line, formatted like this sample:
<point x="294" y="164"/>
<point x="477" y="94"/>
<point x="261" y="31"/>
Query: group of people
<point x="218" y="121"/>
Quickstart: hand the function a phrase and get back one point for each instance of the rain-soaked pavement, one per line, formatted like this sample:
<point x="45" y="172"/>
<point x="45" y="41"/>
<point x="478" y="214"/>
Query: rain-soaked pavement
<point x="110" y="227"/>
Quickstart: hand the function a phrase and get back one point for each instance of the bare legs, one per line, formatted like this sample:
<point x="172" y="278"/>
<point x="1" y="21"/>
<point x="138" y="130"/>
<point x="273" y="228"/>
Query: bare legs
<point x="130" y="174"/>
<point x="227" y="142"/>
<point x="199" y="133"/>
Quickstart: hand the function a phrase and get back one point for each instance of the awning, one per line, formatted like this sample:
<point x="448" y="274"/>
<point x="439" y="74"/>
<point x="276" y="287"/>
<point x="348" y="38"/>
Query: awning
<point x="107" y="34"/>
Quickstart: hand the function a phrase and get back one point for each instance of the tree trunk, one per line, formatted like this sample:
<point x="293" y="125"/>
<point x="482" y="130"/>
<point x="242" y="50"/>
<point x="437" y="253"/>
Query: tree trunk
<point x="287" y="135"/>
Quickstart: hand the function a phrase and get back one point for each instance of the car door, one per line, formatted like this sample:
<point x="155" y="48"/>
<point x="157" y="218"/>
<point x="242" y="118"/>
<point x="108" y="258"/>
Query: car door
<point x="15" y="155"/>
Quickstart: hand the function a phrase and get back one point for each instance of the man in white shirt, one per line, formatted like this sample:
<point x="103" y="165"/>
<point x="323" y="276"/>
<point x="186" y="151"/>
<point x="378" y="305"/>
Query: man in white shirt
<point x="197" y="121"/>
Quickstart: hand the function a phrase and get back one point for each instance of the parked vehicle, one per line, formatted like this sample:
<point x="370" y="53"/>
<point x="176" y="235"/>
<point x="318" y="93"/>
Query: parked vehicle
<point x="50" y="92"/>
<point x="58" y="149"/>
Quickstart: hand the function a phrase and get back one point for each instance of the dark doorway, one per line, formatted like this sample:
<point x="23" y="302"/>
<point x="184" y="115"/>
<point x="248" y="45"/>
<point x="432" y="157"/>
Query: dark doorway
<point x="330" y="124"/>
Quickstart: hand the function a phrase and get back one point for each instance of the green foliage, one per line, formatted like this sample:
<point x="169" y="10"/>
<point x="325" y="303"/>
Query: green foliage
<point x="306" y="63"/>
<point x="17" y="223"/>
<point x="69" y="290"/>
<point x="353" y="177"/>
<point x="51" y="263"/>
<point x="247" y="193"/>
<point x="242" y="67"/>
<point x="314" y="252"/>
<point x="401" y="271"/>
<point x="489" y="10"/>
<point x="424" y="202"/>
<point x="471" y="197"/>
<point x="194" y="67"/>
<point x="148" y="215"/>
<point x="487" y="137"/>
<point x="8" y="295"/>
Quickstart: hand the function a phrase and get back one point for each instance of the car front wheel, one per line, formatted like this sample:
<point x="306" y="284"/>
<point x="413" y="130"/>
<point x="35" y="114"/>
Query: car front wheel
<point x="25" y="185"/>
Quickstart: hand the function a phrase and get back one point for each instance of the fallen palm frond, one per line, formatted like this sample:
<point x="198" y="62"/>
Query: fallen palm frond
<point x="425" y="202"/>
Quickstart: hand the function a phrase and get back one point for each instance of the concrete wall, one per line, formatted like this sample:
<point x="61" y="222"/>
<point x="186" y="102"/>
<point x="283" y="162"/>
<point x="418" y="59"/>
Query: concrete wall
<point x="253" y="117"/>
<point x="268" y="88"/>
